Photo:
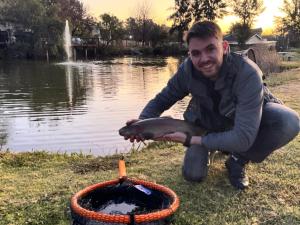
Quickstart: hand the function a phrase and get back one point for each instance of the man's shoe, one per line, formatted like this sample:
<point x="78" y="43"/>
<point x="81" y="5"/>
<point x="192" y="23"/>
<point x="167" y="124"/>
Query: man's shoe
<point x="236" y="172"/>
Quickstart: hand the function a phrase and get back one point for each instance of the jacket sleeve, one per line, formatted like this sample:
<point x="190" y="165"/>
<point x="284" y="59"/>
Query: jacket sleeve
<point x="175" y="90"/>
<point x="249" y="93"/>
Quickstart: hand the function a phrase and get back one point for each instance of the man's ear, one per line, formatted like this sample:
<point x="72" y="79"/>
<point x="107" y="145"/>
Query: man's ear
<point x="226" y="47"/>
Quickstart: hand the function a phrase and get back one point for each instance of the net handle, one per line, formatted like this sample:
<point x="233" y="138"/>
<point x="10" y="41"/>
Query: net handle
<point x="122" y="169"/>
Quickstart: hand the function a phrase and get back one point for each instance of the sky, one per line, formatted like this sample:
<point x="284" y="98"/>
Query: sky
<point x="161" y="9"/>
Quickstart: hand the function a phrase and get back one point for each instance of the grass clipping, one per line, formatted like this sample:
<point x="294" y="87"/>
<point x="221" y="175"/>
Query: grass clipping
<point x="36" y="187"/>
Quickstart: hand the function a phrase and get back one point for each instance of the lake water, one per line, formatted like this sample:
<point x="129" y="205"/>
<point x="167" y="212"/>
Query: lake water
<point x="78" y="107"/>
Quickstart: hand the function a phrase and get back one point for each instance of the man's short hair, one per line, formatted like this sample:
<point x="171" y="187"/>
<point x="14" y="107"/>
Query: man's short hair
<point x="203" y="30"/>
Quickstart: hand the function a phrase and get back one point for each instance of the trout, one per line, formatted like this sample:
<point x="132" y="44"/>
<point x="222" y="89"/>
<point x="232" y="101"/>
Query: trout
<point x="157" y="127"/>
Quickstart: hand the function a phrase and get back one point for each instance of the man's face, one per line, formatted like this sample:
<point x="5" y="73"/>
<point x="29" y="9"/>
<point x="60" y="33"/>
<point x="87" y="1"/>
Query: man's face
<point x="207" y="55"/>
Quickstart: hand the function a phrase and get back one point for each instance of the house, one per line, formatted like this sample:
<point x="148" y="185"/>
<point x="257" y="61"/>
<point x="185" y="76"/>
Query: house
<point x="11" y="33"/>
<point x="6" y="33"/>
<point x="254" y="39"/>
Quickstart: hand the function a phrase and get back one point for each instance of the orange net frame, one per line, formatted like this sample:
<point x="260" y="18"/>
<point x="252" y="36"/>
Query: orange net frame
<point x="125" y="219"/>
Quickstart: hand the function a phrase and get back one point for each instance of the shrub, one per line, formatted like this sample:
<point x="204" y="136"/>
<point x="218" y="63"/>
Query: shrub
<point x="267" y="59"/>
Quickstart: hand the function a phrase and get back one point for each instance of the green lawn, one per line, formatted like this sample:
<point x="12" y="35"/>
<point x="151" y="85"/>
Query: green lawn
<point x="295" y="60"/>
<point x="36" y="187"/>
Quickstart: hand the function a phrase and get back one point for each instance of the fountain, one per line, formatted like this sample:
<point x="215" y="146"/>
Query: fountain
<point x="70" y="59"/>
<point x="68" y="42"/>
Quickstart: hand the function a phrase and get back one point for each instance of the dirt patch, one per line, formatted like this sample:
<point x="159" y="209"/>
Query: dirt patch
<point x="289" y="93"/>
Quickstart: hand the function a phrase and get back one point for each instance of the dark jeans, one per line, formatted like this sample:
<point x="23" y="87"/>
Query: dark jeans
<point x="279" y="125"/>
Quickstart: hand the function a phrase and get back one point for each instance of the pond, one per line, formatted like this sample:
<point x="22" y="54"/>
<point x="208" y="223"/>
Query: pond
<point x="78" y="106"/>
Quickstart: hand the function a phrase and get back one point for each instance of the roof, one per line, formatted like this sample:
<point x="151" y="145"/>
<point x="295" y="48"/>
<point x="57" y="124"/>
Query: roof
<point x="254" y="38"/>
<point x="229" y="37"/>
<point x="256" y="31"/>
<point x="254" y="34"/>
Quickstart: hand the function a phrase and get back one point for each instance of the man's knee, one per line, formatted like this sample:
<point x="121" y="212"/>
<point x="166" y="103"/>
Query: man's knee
<point x="194" y="176"/>
<point x="282" y="120"/>
<point x="291" y="124"/>
<point x="195" y="166"/>
<point x="280" y="125"/>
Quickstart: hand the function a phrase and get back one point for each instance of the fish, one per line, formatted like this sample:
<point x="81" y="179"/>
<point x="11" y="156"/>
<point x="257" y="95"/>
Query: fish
<point x="157" y="127"/>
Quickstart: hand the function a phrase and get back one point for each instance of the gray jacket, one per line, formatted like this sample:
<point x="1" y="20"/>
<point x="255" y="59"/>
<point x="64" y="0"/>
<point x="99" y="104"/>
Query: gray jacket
<point x="234" y="126"/>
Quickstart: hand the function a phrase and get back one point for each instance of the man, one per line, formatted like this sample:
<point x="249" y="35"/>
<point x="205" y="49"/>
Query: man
<point x="230" y="100"/>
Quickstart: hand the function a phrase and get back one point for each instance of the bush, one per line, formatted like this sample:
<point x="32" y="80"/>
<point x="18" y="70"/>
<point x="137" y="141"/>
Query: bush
<point x="297" y="50"/>
<point x="146" y="50"/>
<point x="267" y="59"/>
<point x="170" y="49"/>
<point x="111" y="51"/>
<point x="19" y="51"/>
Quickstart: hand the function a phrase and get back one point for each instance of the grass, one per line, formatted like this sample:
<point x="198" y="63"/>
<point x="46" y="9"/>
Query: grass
<point x="36" y="187"/>
<point x="287" y="65"/>
<point x="288" y="76"/>
<point x="294" y="63"/>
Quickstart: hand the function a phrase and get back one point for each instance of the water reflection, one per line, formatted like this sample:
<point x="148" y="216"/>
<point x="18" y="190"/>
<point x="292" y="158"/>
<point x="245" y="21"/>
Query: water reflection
<point x="69" y="86"/>
<point x="77" y="106"/>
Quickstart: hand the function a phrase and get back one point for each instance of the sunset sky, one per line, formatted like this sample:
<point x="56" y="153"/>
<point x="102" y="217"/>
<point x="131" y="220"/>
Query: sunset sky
<point x="161" y="9"/>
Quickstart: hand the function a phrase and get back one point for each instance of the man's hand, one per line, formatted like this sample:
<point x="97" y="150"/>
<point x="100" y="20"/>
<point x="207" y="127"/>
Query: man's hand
<point x="128" y="122"/>
<point x="133" y="138"/>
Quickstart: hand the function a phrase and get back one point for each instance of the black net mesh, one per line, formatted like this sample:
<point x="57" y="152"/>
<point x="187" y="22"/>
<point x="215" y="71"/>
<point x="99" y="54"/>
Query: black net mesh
<point x="123" y="199"/>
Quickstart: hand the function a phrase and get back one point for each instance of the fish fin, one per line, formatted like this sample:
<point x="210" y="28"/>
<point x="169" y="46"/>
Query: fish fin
<point x="138" y="147"/>
<point x="134" y="148"/>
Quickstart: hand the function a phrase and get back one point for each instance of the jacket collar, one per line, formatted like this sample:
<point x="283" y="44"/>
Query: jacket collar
<point x="225" y="69"/>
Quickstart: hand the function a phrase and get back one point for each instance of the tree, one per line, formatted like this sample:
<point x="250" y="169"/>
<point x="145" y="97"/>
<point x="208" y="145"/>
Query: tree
<point x="142" y="17"/>
<point x="181" y="18"/>
<point x="75" y="13"/>
<point x="33" y="17"/>
<point x="45" y="20"/>
<point x="26" y="13"/>
<point x="132" y="29"/>
<point x="188" y="10"/>
<point x="138" y="27"/>
<point x="289" y="24"/>
<point x="155" y="33"/>
<point x="84" y="27"/>
<point x="241" y="32"/>
<point x="208" y="9"/>
<point x="247" y="10"/>
<point x="111" y="28"/>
